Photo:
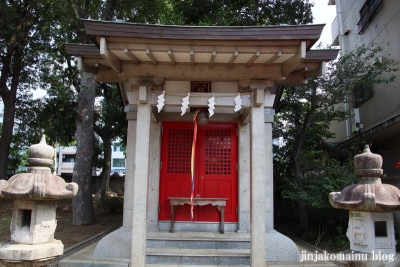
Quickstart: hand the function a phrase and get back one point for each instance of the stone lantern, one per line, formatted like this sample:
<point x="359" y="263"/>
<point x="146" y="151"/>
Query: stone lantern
<point x="370" y="204"/>
<point x="33" y="224"/>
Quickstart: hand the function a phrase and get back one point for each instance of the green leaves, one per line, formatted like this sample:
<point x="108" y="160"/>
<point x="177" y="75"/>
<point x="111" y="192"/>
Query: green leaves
<point x="241" y="12"/>
<point x="304" y="173"/>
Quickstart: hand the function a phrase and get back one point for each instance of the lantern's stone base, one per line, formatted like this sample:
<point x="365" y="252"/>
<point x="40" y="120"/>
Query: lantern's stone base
<point x="21" y="255"/>
<point x="371" y="232"/>
<point x="41" y="223"/>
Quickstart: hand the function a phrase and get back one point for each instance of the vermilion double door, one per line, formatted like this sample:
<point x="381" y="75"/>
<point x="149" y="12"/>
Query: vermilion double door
<point x="215" y="169"/>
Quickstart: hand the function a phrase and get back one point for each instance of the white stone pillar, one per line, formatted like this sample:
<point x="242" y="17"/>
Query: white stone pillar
<point x="244" y="179"/>
<point x="154" y="176"/>
<point x="258" y="182"/>
<point x="139" y="208"/>
<point x="130" y="168"/>
<point x="269" y="190"/>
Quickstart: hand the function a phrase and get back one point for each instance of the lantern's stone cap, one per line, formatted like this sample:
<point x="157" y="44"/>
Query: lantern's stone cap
<point x="369" y="194"/>
<point x="39" y="183"/>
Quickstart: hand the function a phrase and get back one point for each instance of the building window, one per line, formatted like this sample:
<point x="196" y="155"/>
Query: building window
<point x="68" y="158"/>
<point x="367" y="13"/>
<point x="117" y="147"/>
<point x="361" y="94"/>
<point x="119" y="163"/>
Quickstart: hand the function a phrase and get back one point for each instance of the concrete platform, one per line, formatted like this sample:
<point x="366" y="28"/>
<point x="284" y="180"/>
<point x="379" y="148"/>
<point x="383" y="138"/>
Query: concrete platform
<point x="85" y="258"/>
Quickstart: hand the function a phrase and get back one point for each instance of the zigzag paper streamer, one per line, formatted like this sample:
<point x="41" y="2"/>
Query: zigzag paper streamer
<point x="160" y="101"/>
<point x="211" y="106"/>
<point x="238" y="103"/>
<point x="185" y="104"/>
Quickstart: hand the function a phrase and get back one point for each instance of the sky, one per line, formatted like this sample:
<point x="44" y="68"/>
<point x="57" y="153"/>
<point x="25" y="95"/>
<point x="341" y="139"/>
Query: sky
<point x="322" y="12"/>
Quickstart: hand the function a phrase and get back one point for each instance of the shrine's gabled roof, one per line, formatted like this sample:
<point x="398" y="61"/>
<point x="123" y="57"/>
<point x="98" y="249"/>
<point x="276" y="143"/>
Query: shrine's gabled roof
<point x="310" y="32"/>
<point x="125" y="50"/>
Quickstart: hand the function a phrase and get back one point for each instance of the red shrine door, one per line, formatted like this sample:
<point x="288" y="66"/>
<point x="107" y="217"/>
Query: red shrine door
<point x="215" y="169"/>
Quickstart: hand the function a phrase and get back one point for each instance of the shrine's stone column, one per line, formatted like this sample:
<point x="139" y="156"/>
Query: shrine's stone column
<point x="258" y="180"/>
<point x="130" y="168"/>
<point x="269" y="190"/>
<point x="244" y="179"/>
<point x="140" y="179"/>
<point x="154" y="176"/>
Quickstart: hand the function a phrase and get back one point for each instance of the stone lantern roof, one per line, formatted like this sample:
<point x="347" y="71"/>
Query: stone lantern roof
<point x="369" y="194"/>
<point x="38" y="183"/>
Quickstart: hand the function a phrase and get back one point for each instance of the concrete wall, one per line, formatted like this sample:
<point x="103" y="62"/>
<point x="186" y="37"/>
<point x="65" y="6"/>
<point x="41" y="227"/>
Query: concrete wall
<point x="385" y="104"/>
<point x="338" y="127"/>
<point x="383" y="30"/>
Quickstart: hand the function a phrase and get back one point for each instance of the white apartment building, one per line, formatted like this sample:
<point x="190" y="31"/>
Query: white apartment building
<point x="1" y="111"/>
<point x="375" y="111"/>
<point x="66" y="160"/>
<point x="118" y="158"/>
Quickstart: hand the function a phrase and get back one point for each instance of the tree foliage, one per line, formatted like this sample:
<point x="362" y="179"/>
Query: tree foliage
<point x="303" y="172"/>
<point x="108" y="120"/>
<point x="241" y="12"/>
<point x="33" y="55"/>
<point x="110" y="125"/>
<point x="25" y="35"/>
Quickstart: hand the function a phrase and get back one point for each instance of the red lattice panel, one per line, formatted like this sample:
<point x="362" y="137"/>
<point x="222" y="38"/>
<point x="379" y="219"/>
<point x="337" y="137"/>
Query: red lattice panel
<point x="218" y="152"/>
<point x="179" y="151"/>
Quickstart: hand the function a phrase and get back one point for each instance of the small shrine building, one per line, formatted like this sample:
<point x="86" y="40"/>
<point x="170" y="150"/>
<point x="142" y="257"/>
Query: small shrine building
<point x="236" y="73"/>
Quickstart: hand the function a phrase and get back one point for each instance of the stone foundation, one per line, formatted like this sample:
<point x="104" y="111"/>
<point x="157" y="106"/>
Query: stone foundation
<point x="118" y="245"/>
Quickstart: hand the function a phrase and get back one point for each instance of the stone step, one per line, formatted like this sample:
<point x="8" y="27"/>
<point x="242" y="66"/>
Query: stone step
<point x="229" y="257"/>
<point x="199" y="240"/>
<point x="198" y="244"/>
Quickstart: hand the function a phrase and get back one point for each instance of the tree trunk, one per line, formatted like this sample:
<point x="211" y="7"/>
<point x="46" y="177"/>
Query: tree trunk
<point x="82" y="175"/>
<point x="303" y="216"/>
<point x="303" y="212"/>
<point x="83" y="202"/>
<point x="7" y="130"/>
<point x="299" y="143"/>
<point x="106" y="170"/>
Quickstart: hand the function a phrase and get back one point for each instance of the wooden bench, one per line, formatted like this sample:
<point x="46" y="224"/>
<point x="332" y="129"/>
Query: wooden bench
<point x="219" y="203"/>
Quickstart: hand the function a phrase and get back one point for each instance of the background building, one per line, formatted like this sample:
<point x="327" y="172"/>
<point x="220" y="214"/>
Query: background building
<point x="375" y="111"/>
<point x="1" y="111"/>
<point x="66" y="160"/>
<point x="117" y="158"/>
